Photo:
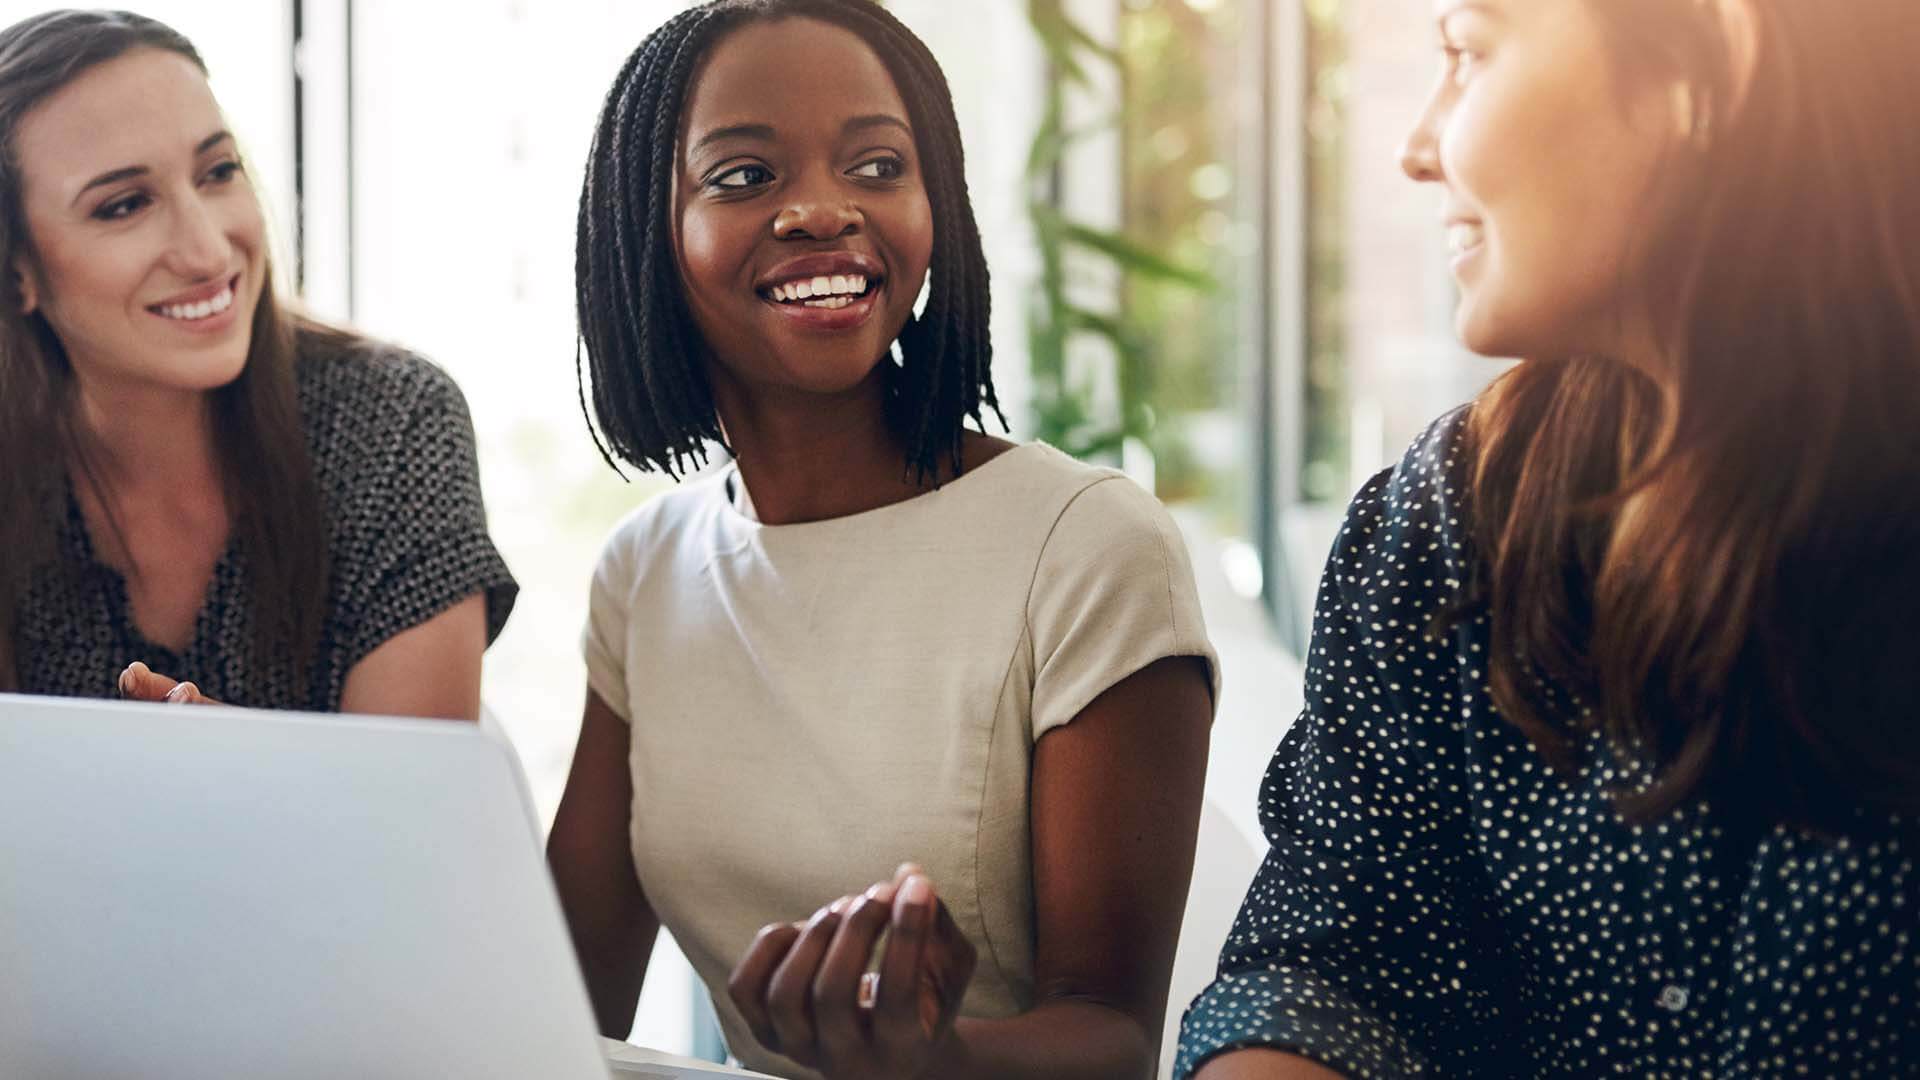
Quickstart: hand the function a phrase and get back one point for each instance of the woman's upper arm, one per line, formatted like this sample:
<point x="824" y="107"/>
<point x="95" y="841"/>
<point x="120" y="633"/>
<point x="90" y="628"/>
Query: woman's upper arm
<point x="429" y="670"/>
<point x="412" y="542"/>
<point x="1365" y="941"/>
<point x="590" y="826"/>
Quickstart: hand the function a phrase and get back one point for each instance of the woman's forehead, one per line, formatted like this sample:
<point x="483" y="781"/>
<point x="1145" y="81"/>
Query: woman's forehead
<point x="801" y="70"/>
<point x="146" y="108"/>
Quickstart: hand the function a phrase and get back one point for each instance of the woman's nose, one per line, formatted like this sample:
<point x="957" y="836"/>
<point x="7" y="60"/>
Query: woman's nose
<point x="1420" y="152"/>
<point x="817" y="219"/>
<point x="200" y="246"/>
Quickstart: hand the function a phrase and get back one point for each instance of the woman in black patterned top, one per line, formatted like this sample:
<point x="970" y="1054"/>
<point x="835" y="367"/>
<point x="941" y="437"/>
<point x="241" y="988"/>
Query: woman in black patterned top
<point x="1610" y="761"/>
<point x="198" y="481"/>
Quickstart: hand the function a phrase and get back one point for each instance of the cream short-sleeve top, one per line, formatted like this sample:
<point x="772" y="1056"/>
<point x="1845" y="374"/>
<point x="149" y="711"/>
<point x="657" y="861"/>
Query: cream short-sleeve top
<point x="811" y="705"/>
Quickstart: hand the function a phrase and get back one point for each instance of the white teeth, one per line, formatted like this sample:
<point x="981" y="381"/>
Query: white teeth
<point x="203" y="309"/>
<point x="1463" y="237"/>
<point x="836" y="291"/>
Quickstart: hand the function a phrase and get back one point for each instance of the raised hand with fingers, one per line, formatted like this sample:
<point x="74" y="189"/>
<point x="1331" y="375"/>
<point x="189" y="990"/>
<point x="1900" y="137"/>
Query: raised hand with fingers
<point x="140" y="683"/>
<point x="805" y="991"/>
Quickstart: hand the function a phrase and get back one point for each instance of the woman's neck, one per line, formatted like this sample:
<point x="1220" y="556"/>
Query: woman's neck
<point x="810" y="457"/>
<point x="147" y="440"/>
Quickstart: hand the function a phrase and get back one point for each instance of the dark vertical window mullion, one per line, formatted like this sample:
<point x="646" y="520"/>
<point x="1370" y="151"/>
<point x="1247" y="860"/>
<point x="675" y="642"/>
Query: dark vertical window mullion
<point x="353" y="176"/>
<point x="297" y="13"/>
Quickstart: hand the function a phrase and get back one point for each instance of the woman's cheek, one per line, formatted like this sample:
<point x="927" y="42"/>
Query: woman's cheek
<point x="701" y="247"/>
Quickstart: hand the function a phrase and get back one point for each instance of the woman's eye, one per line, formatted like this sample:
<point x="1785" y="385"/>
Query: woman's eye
<point x="1460" y="62"/>
<point x="123" y="207"/>
<point x="224" y="172"/>
<point x="880" y="168"/>
<point x="743" y="176"/>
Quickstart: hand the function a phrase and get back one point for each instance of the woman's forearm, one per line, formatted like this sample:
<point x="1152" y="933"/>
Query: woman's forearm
<point x="1058" y="1040"/>
<point x="613" y="958"/>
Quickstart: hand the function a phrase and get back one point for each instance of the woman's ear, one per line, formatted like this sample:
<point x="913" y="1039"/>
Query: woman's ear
<point x="1740" y="24"/>
<point x="1740" y="31"/>
<point x="23" y="281"/>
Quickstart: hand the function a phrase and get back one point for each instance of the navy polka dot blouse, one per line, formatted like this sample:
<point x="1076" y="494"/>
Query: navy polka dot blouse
<point x="1436" y="902"/>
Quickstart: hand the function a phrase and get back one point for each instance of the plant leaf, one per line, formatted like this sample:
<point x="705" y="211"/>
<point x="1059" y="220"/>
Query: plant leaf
<point x="1133" y="258"/>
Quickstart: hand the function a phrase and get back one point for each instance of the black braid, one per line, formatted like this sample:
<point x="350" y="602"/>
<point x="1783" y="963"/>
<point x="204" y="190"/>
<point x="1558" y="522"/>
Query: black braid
<point x="649" y="389"/>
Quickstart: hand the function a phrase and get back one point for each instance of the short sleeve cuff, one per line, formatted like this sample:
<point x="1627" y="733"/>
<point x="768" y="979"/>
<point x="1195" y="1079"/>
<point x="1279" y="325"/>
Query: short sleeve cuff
<point x="603" y="639"/>
<point x="604" y="674"/>
<point x="1295" y="1011"/>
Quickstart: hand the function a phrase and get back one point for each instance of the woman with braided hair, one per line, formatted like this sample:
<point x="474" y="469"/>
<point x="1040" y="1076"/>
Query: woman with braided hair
<point x="876" y="636"/>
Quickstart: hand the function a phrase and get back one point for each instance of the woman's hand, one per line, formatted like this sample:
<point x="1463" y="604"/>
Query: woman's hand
<point x="139" y="683"/>
<point x="802" y="987"/>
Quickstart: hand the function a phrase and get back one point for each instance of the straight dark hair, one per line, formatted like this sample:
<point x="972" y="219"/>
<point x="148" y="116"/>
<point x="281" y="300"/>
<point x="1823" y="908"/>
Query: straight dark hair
<point x="1718" y="549"/>
<point x="649" y="386"/>
<point x="264" y="459"/>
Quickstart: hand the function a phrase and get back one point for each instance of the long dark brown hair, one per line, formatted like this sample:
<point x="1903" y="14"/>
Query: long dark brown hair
<point x="1718" y="549"/>
<point x="264" y="459"/>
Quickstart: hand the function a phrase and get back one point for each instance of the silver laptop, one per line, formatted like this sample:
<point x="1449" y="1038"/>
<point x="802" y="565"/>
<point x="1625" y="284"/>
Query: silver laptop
<point x="215" y="892"/>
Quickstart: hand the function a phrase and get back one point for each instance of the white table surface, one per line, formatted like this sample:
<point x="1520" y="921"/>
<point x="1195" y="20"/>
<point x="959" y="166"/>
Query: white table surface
<point x="637" y="1062"/>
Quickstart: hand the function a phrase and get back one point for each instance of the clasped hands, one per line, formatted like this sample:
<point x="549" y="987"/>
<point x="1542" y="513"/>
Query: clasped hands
<point x="805" y="991"/>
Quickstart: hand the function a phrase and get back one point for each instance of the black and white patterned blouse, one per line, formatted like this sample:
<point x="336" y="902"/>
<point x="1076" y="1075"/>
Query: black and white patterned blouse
<point x="1436" y="902"/>
<point x="393" y="451"/>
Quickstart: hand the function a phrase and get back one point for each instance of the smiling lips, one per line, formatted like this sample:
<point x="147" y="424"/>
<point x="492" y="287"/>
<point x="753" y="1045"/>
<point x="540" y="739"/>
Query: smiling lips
<point x="1464" y="236"/>
<point x="200" y="305"/>
<point x="827" y="290"/>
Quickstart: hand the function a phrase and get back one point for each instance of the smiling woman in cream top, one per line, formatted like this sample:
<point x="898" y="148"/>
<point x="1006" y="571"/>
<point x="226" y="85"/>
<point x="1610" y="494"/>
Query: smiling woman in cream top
<point x="923" y="645"/>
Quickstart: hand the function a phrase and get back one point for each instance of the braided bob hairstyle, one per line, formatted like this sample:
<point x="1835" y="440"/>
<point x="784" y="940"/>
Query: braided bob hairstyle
<point x="649" y="385"/>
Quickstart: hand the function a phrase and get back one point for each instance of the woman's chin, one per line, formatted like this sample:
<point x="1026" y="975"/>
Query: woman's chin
<point x="1483" y="333"/>
<point x="829" y="374"/>
<point x="206" y="373"/>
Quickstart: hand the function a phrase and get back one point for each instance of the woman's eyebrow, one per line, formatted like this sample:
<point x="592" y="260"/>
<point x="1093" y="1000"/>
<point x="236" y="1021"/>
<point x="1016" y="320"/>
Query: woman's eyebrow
<point x="762" y="132"/>
<point x="765" y="132"/>
<point x="876" y="120"/>
<point x="1475" y="7"/>
<point x="128" y="172"/>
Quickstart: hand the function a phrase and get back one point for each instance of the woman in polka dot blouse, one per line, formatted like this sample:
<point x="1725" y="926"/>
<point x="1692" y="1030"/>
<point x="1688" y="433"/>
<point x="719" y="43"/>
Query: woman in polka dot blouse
<point x="1610" y="761"/>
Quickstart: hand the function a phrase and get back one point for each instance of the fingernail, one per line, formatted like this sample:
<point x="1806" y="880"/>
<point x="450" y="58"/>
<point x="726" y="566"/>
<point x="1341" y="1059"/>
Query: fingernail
<point x="821" y="916"/>
<point x="180" y="692"/>
<point x="914" y="910"/>
<point x="841" y="905"/>
<point x="906" y="868"/>
<point x="917" y="890"/>
<point x="883" y="892"/>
